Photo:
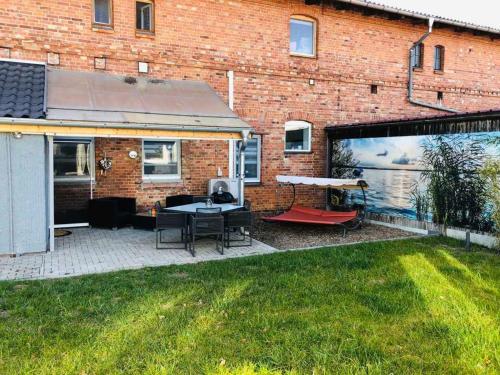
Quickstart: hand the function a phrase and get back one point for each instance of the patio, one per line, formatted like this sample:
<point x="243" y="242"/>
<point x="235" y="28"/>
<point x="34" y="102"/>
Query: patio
<point x="89" y="251"/>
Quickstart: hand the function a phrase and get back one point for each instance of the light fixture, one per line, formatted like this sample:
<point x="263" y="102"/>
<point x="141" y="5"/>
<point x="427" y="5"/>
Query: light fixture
<point x="18" y="135"/>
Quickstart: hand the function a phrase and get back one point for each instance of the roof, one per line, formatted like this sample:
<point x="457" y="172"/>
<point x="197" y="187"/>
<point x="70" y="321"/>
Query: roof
<point x="22" y="89"/>
<point x="323" y="182"/>
<point x="158" y="104"/>
<point x="381" y="8"/>
<point x="479" y="121"/>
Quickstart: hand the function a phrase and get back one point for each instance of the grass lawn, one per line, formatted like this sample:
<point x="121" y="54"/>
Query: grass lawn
<point x="408" y="306"/>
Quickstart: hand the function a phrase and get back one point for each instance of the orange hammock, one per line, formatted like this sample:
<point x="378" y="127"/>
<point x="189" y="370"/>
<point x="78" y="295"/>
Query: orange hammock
<point x="298" y="214"/>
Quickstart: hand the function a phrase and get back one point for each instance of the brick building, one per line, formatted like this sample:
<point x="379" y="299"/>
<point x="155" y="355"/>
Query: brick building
<point x="298" y="66"/>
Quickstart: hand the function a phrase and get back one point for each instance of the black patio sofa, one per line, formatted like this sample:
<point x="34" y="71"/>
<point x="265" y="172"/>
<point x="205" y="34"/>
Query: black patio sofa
<point x="111" y="212"/>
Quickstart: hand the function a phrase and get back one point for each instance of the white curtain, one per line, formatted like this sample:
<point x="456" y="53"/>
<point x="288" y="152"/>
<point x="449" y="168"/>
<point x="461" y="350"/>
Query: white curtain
<point x="81" y="159"/>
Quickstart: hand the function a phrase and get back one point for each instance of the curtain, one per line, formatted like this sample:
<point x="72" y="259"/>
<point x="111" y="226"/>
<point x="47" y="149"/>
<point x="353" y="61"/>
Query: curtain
<point x="81" y="159"/>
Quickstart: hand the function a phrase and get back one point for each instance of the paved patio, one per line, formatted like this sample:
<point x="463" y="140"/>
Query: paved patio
<point x="88" y="251"/>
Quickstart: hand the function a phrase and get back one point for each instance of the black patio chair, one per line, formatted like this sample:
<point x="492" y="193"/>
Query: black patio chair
<point x="238" y="223"/>
<point x="206" y="225"/>
<point x="247" y="205"/>
<point x="208" y="211"/>
<point x="178" y="200"/>
<point x="200" y="198"/>
<point x="167" y="221"/>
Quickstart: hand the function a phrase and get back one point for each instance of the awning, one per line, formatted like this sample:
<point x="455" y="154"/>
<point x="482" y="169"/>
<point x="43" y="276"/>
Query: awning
<point x="135" y="106"/>
<point x="335" y="183"/>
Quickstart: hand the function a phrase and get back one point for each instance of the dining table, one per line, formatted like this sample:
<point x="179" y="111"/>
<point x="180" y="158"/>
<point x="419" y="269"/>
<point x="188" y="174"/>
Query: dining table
<point x="191" y="208"/>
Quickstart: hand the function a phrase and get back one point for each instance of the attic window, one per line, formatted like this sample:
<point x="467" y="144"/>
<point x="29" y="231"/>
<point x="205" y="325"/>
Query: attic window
<point x="439" y="58"/>
<point x="417" y="56"/>
<point x="302" y="36"/>
<point x="144" y="15"/>
<point x="102" y="13"/>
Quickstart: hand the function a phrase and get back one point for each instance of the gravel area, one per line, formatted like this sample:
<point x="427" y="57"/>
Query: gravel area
<point x="285" y="236"/>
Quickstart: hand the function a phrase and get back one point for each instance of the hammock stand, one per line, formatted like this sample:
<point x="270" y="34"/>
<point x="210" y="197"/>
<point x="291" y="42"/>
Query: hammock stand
<point x="348" y="220"/>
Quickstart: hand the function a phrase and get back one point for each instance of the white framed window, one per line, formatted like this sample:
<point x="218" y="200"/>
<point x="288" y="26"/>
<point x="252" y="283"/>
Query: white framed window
<point x="144" y="15"/>
<point x="74" y="159"/>
<point x="253" y="155"/>
<point x="302" y="36"/>
<point x="161" y="160"/>
<point x="297" y="136"/>
<point x="103" y="12"/>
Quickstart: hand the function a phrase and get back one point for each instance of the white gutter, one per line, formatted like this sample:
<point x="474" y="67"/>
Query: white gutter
<point x="447" y="21"/>
<point x="113" y="125"/>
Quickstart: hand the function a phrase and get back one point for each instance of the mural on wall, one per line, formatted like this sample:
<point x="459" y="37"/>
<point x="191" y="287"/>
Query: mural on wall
<point x="434" y="178"/>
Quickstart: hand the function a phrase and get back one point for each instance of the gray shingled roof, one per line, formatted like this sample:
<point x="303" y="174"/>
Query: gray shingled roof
<point x="22" y="90"/>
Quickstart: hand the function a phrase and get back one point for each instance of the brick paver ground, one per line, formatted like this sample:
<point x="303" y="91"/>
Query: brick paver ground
<point x="88" y="251"/>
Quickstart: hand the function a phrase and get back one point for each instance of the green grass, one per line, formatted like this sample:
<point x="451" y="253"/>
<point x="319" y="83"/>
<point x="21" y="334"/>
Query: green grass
<point x="409" y="306"/>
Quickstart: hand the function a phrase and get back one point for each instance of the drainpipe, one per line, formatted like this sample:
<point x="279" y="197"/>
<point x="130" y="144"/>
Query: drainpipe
<point x="232" y="144"/>
<point x="245" y="134"/>
<point x="410" y="75"/>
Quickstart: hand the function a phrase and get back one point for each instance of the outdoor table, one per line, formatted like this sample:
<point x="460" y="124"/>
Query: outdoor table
<point x="190" y="209"/>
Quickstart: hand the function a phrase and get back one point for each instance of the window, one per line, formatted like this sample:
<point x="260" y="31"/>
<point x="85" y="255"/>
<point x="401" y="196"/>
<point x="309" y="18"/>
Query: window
<point x="417" y="56"/>
<point x="374" y="89"/>
<point x="102" y="12"/>
<point x="302" y="36"/>
<point x="439" y="58"/>
<point x="73" y="159"/>
<point x="161" y="160"/>
<point x="297" y="136"/>
<point x="144" y="15"/>
<point x="440" y="97"/>
<point x="252" y="159"/>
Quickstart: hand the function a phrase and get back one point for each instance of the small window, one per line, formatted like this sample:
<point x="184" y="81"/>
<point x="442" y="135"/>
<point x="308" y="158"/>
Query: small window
<point x="252" y="159"/>
<point x="440" y="97"/>
<point x="102" y="12"/>
<point x="73" y="159"/>
<point x="374" y="89"/>
<point x="144" y="15"/>
<point x="417" y="56"/>
<point x="302" y="36"/>
<point x="161" y="160"/>
<point x="297" y="136"/>
<point x="439" y="58"/>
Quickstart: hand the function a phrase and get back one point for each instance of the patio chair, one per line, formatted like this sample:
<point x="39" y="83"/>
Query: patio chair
<point x="111" y="212"/>
<point x="166" y="221"/>
<point x="200" y="198"/>
<point x="238" y="222"/>
<point x="247" y="205"/>
<point x="208" y="211"/>
<point x="206" y="224"/>
<point x="178" y="200"/>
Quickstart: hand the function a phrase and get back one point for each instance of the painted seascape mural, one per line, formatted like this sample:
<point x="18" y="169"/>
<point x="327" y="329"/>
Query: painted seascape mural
<point x="434" y="178"/>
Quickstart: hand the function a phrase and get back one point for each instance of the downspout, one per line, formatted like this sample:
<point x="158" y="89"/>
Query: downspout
<point x="245" y="134"/>
<point x="410" y="75"/>
<point x="232" y="144"/>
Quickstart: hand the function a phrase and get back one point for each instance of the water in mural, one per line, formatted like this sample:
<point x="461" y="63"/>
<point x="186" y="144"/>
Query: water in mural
<point x="396" y="167"/>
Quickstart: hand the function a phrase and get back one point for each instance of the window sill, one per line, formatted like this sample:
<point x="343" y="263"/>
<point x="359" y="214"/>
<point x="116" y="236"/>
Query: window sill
<point x="161" y="181"/>
<point x="102" y="28"/>
<point x="298" y="152"/>
<point x="418" y="69"/>
<point x="441" y="72"/>
<point x="144" y="34"/>
<point x="296" y="54"/>
<point x="73" y="181"/>
<point x="253" y="183"/>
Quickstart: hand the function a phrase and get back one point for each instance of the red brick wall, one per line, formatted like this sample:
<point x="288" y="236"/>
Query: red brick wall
<point x="201" y="40"/>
